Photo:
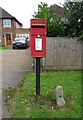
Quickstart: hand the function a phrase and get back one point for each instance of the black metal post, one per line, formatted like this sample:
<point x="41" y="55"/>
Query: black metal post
<point x="37" y="78"/>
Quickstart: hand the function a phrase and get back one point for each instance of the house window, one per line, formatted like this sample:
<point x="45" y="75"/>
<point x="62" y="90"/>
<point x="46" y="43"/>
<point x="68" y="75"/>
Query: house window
<point x="6" y="23"/>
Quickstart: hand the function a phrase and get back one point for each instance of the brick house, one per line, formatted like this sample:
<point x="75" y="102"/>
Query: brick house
<point x="58" y="11"/>
<point x="22" y="32"/>
<point x="10" y="27"/>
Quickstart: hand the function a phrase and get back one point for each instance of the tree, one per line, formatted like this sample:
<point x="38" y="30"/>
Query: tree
<point x="43" y="12"/>
<point x="73" y="12"/>
<point x="56" y="27"/>
<point x="54" y="24"/>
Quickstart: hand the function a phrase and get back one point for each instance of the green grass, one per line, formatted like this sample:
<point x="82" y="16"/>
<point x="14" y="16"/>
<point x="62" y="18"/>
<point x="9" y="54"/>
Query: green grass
<point x="26" y="106"/>
<point x="4" y="48"/>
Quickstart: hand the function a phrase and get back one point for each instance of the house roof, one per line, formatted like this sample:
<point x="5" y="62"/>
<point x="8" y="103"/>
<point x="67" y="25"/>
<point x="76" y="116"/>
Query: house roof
<point x="6" y="15"/>
<point x="57" y="10"/>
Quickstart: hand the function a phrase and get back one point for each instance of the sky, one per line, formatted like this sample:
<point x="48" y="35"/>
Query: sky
<point x="24" y="9"/>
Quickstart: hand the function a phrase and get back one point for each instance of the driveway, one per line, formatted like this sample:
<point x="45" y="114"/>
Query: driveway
<point x="14" y="64"/>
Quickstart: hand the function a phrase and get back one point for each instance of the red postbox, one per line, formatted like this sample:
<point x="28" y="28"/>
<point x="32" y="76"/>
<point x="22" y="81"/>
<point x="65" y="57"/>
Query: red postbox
<point x="38" y="37"/>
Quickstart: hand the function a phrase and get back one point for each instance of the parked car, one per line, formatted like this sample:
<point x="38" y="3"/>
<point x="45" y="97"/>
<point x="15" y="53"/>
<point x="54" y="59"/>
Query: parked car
<point x="20" y="42"/>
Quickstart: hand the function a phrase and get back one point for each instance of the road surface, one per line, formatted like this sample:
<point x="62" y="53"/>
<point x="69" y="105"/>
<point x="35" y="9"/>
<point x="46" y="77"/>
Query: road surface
<point x="13" y="64"/>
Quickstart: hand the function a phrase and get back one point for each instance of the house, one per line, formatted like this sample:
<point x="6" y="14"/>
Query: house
<point x="56" y="10"/>
<point x="20" y="32"/>
<point x="10" y="27"/>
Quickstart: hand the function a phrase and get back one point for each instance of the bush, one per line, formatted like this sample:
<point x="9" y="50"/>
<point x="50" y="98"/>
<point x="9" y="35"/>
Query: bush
<point x="81" y="37"/>
<point x="0" y="44"/>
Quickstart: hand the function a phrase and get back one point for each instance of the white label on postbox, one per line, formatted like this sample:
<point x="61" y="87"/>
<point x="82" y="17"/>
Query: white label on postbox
<point x="38" y="43"/>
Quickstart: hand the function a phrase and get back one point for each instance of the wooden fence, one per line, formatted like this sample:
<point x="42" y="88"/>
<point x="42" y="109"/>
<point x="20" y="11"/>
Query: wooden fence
<point x="63" y="54"/>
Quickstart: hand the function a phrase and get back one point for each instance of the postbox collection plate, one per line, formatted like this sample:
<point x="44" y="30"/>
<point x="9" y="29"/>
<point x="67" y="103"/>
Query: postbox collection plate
<point x="38" y="43"/>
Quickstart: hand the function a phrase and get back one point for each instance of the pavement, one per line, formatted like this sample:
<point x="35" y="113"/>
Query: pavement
<point x="13" y="64"/>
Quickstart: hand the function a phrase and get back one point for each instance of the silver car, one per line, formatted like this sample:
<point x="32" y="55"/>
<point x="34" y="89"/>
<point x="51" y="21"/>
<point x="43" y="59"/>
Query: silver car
<point x="20" y="42"/>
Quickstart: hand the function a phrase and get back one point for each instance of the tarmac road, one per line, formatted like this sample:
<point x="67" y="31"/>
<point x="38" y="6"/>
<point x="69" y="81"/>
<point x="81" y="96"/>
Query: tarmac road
<point x="14" y="64"/>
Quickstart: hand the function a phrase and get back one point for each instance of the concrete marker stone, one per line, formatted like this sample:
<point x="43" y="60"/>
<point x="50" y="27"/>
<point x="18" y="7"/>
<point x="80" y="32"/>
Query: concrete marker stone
<point x="59" y="96"/>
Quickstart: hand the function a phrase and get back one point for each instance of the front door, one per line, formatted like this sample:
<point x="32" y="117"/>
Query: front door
<point x="8" y="39"/>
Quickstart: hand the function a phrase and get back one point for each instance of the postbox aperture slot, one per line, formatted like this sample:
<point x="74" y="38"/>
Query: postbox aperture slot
<point x="36" y="26"/>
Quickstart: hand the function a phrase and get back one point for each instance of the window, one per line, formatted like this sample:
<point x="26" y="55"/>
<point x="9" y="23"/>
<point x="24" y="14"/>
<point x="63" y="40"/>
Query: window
<point x="6" y="23"/>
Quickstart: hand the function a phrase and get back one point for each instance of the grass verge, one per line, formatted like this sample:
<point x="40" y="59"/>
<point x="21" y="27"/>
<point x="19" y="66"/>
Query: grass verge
<point x="5" y="48"/>
<point x="24" y="103"/>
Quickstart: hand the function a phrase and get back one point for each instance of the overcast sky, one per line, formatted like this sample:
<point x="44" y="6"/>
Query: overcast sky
<point x="24" y="9"/>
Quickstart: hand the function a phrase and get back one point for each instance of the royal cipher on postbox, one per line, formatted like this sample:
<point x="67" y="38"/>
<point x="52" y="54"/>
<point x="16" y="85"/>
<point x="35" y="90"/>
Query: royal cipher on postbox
<point x="38" y="37"/>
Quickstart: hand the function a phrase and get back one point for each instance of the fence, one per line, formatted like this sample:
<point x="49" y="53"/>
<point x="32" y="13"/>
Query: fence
<point x="62" y="54"/>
